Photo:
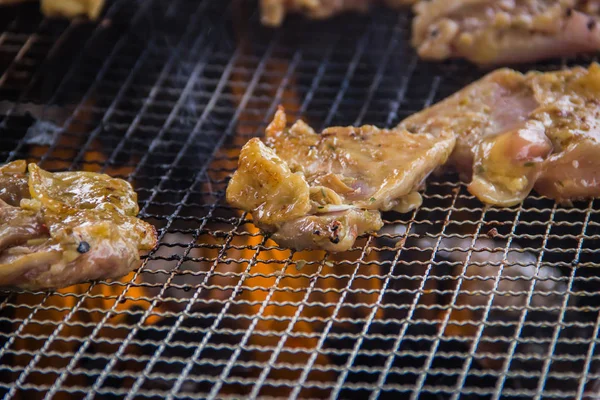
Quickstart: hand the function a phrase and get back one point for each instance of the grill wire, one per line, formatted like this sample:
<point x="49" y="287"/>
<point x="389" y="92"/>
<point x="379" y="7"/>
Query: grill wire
<point x="164" y="94"/>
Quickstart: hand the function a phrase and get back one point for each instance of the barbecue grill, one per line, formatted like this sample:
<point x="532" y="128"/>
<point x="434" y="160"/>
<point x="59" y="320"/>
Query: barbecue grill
<point x="164" y="94"/>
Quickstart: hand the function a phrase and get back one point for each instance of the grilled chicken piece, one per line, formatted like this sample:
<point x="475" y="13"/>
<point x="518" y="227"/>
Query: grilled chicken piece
<point x="505" y="31"/>
<point x="321" y="191"/>
<point x="494" y="289"/>
<point x="516" y="132"/>
<point x="570" y="109"/>
<point x="70" y="227"/>
<point x="274" y="11"/>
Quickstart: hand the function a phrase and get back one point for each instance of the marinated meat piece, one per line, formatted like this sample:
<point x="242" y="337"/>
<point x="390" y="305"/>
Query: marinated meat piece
<point x="516" y="132"/>
<point x="497" y="146"/>
<point x="274" y="11"/>
<point x="505" y="31"/>
<point x="321" y="191"/>
<point x="71" y="227"/>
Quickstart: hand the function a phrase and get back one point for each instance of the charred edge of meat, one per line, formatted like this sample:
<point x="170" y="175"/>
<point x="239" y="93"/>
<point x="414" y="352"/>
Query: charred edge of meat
<point x="335" y="234"/>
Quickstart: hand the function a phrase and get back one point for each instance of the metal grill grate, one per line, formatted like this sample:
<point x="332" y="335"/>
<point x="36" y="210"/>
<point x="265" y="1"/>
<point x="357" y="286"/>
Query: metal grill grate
<point x="164" y="94"/>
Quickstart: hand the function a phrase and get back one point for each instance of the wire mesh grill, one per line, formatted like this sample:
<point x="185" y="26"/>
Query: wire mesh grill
<point x="451" y="301"/>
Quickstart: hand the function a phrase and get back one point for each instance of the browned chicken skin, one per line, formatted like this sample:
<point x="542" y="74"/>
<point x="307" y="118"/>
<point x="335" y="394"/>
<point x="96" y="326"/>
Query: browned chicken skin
<point x="516" y="132"/>
<point x="505" y="31"/>
<point x="67" y="228"/>
<point x="321" y="191"/>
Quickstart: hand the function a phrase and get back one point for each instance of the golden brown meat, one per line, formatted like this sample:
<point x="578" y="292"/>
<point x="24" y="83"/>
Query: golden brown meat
<point x="505" y="31"/>
<point x="321" y="191"/>
<point x="516" y="132"/>
<point x="70" y="227"/>
<point x="273" y="12"/>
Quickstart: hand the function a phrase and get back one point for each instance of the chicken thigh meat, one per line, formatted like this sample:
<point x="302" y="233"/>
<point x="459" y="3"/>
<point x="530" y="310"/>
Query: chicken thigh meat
<point x="321" y="191"/>
<point x="64" y="228"/>
<point x="517" y="132"/>
<point x="505" y="31"/>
